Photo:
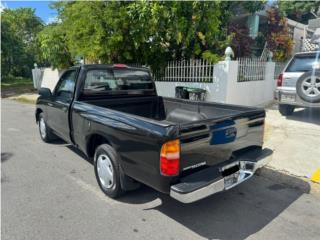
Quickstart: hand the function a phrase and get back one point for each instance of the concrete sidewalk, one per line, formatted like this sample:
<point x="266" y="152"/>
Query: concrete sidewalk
<point x="295" y="140"/>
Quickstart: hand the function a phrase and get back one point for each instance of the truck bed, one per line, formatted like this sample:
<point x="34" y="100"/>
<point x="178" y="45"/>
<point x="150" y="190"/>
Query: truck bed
<point x="210" y="133"/>
<point x="172" y="110"/>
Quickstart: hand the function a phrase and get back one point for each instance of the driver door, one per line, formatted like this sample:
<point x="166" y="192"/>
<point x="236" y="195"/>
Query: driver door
<point x="58" y="108"/>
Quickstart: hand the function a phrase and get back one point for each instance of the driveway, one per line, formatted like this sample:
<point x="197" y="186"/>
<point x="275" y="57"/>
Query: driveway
<point x="49" y="191"/>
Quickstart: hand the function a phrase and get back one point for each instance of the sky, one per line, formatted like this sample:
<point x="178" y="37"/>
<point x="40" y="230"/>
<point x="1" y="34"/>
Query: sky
<point x="42" y="8"/>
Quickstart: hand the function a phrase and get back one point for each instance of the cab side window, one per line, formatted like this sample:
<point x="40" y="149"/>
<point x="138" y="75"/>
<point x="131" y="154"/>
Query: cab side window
<point x="66" y="85"/>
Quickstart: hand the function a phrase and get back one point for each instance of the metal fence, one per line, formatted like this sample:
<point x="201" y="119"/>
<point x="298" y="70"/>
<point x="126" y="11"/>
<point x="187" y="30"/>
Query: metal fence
<point x="251" y="69"/>
<point x="194" y="70"/>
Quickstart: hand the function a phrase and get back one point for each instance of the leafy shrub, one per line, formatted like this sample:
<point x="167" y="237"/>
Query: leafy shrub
<point x="278" y="39"/>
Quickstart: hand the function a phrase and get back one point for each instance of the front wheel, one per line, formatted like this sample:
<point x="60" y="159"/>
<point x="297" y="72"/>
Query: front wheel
<point x="45" y="132"/>
<point x="107" y="170"/>
<point x="286" y="110"/>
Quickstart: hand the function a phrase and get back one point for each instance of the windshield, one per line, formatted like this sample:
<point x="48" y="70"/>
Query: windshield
<point x="303" y="64"/>
<point x="117" y="79"/>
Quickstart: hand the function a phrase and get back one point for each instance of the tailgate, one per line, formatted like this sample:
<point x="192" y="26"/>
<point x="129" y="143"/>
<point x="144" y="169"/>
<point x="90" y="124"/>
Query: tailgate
<point x="210" y="142"/>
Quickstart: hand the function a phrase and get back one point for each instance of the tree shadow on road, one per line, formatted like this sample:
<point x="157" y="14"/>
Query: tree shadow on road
<point x="6" y="156"/>
<point x="310" y="115"/>
<point x="234" y="214"/>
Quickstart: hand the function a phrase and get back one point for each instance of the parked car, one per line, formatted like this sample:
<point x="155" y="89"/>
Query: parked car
<point x="299" y="83"/>
<point x="184" y="148"/>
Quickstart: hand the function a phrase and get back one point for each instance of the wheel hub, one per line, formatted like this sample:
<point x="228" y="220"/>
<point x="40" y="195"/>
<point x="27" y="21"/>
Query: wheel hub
<point x="105" y="171"/>
<point x="42" y="127"/>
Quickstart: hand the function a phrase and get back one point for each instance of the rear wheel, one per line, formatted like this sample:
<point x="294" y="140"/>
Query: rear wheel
<point x="107" y="170"/>
<point x="286" y="110"/>
<point x="45" y="132"/>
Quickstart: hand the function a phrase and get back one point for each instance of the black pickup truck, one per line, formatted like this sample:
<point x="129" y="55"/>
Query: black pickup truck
<point x="187" y="149"/>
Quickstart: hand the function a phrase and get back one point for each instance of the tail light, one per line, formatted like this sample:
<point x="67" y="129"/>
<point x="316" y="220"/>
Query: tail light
<point x="280" y="80"/>
<point x="170" y="158"/>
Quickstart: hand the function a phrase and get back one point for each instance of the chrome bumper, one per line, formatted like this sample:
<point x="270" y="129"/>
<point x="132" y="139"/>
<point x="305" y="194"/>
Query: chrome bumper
<point x="247" y="167"/>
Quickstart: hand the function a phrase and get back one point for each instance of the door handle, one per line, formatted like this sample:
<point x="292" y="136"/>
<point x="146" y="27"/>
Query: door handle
<point x="50" y="104"/>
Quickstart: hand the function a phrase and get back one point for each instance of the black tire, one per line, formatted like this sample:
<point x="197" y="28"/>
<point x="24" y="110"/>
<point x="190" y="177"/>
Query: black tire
<point x="286" y="110"/>
<point x="306" y="77"/>
<point x="46" y="133"/>
<point x="115" y="190"/>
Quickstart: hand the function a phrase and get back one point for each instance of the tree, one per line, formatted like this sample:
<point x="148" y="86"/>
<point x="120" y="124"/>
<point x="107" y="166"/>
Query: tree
<point x="11" y="49"/>
<point x="241" y="41"/>
<point x="278" y="40"/>
<point x="53" y="46"/>
<point x="19" y="46"/>
<point x="300" y="11"/>
<point x="147" y="32"/>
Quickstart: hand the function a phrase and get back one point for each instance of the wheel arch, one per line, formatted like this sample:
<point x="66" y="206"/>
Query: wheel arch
<point x="95" y="140"/>
<point x="38" y="111"/>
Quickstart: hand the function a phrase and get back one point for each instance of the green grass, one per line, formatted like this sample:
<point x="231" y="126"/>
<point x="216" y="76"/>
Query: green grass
<point x="12" y="82"/>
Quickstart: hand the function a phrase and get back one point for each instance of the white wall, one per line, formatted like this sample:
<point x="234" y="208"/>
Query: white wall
<point x="50" y="78"/>
<point x="251" y="93"/>
<point x="226" y="89"/>
<point x="298" y="33"/>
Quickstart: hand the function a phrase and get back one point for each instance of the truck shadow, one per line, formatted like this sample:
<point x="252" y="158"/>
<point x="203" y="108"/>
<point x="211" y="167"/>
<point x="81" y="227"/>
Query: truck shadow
<point x="234" y="214"/>
<point x="311" y="115"/>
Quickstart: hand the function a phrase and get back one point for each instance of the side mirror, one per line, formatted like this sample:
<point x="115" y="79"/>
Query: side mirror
<point x="45" y="92"/>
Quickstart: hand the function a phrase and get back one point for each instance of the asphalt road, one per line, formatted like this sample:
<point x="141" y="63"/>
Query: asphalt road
<point x="49" y="192"/>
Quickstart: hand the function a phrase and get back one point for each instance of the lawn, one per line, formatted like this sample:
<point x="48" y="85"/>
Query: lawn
<point x="15" y="86"/>
<point x="13" y="82"/>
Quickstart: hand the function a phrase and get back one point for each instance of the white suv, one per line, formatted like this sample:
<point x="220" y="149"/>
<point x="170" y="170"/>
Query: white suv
<point x="299" y="84"/>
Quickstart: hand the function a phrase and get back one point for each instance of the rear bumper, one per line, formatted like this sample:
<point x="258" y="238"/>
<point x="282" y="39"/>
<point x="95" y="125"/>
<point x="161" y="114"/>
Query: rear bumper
<point x="298" y="102"/>
<point x="211" y="180"/>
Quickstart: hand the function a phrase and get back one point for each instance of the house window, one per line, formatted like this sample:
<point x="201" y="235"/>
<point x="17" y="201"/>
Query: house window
<point x="253" y="25"/>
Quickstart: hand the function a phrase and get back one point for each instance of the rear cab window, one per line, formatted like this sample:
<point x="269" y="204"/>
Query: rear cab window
<point x="303" y="63"/>
<point x="109" y="80"/>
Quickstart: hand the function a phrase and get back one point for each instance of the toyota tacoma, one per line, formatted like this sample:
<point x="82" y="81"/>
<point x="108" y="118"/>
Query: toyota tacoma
<point x="187" y="149"/>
